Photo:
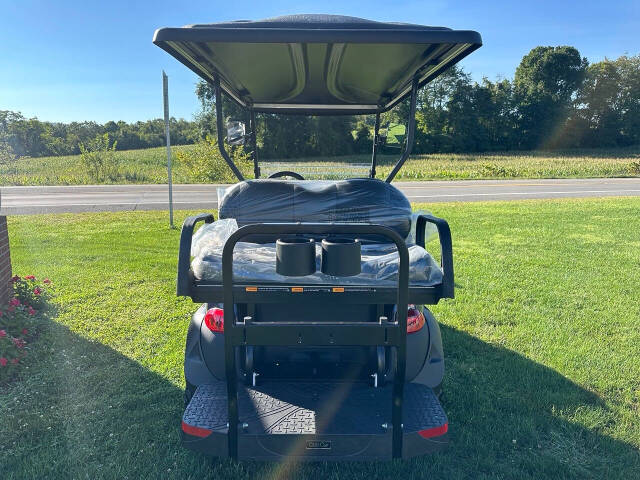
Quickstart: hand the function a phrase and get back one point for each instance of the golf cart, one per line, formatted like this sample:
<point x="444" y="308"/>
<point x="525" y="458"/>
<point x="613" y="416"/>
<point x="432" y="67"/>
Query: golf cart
<point x="313" y="341"/>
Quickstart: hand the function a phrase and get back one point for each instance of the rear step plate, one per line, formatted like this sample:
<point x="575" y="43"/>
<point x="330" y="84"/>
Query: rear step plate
<point x="314" y="420"/>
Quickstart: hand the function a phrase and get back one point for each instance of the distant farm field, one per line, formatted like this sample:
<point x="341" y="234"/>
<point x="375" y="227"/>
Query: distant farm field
<point x="149" y="166"/>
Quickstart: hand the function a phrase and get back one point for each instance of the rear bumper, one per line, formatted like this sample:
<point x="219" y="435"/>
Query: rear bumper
<point x="314" y="421"/>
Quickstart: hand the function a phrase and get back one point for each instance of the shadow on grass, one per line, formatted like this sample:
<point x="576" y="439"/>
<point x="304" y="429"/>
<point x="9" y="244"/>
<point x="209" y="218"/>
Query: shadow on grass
<point x="85" y="410"/>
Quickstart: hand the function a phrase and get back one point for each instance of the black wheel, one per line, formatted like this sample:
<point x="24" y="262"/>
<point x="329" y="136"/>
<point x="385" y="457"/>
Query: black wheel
<point x="189" y="390"/>
<point x="286" y="173"/>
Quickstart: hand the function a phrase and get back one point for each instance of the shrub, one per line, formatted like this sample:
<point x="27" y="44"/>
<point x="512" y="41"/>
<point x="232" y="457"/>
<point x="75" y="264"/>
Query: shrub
<point x="204" y="163"/>
<point x="31" y="292"/>
<point x="496" y="170"/>
<point x="6" y="153"/>
<point x="19" y="322"/>
<point x="98" y="158"/>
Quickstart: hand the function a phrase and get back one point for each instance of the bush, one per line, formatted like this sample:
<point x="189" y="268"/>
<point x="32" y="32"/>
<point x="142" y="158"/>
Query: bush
<point x="204" y="162"/>
<point x="634" y="168"/>
<point x="98" y="158"/>
<point x="6" y="154"/>
<point x="19" y="322"/>
<point x="30" y="292"/>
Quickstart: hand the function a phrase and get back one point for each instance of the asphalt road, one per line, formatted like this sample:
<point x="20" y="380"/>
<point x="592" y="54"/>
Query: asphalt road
<point x="95" y="198"/>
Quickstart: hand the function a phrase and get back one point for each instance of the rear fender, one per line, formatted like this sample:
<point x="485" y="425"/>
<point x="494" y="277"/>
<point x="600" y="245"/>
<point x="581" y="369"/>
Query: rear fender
<point x="432" y="371"/>
<point x="196" y="368"/>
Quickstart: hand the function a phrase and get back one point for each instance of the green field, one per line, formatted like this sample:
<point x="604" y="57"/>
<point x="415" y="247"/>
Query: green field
<point x="149" y="166"/>
<point x="541" y="348"/>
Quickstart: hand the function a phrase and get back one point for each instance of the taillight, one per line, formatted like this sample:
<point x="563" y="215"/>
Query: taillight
<point x="415" y="319"/>
<point x="214" y="319"/>
<point x="434" y="432"/>
<point x="195" y="431"/>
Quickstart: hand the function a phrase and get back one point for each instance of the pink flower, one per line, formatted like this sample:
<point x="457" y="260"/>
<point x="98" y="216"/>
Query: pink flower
<point x="11" y="309"/>
<point x="14" y="279"/>
<point x="0" y="313"/>
<point x="37" y="291"/>
<point x="3" y="361"/>
<point x="31" y="311"/>
<point x="29" y="277"/>
<point x="3" y="333"/>
<point x="15" y="361"/>
<point x="25" y="331"/>
<point x="14" y="302"/>
<point x="47" y="281"/>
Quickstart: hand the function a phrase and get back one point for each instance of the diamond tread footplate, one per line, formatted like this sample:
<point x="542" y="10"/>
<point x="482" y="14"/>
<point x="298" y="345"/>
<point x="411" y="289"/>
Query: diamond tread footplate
<point x="313" y="408"/>
<point x="208" y="407"/>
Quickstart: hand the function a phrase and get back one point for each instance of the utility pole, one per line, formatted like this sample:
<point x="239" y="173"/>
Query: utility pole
<point x="165" y="95"/>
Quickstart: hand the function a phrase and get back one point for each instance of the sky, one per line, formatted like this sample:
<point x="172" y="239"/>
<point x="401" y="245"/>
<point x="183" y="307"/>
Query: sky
<point x="93" y="60"/>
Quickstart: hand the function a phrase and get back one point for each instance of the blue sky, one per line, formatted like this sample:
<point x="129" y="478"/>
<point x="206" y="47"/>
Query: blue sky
<point x="91" y="60"/>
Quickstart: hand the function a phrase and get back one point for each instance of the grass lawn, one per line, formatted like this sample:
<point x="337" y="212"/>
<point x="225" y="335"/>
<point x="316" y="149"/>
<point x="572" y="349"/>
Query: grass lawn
<point x="541" y="345"/>
<point x="149" y="166"/>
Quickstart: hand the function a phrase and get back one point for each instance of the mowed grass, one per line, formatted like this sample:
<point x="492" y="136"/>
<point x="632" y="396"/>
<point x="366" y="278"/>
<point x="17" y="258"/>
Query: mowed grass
<point x="541" y="348"/>
<point x="150" y="166"/>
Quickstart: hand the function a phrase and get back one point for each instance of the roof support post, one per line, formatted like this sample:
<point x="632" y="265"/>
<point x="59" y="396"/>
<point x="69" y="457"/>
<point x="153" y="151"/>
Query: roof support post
<point x="374" y="150"/>
<point x="254" y="142"/>
<point x="410" y="131"/>
<point x="220" y="129"/>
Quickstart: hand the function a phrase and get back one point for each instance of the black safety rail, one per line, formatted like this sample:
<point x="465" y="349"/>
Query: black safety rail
<point x="247" y="292"/>
<point x="392" y="333"/>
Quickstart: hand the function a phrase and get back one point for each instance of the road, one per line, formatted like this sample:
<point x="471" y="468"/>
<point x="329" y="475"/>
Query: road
<point x="94" y="198"/>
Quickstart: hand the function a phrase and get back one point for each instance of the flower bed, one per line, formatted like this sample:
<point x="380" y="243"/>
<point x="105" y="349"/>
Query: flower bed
<point x="19" y="321"/>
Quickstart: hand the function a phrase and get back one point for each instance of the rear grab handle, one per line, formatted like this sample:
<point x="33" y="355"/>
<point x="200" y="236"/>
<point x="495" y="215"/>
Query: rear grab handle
<point x="444" y="234"/>
<point x="185" y="274"/>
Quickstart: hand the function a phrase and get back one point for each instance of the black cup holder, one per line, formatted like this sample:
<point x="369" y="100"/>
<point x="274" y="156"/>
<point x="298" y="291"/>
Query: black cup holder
<point x="295" y="257"/>
<point x="340" y="257"/>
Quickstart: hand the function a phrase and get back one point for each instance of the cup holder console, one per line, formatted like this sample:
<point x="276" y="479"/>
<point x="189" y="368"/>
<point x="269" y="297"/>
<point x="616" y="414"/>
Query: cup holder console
<point x="295" y="256"/>
<point x="340" y="256"/>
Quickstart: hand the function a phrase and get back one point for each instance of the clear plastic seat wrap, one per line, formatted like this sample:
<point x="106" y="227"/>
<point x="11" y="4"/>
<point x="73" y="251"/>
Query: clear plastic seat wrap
<point x="256" y="262"/>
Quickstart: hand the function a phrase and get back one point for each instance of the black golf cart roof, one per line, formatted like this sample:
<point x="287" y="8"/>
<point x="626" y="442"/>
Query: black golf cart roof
<point x="316" y="64"/>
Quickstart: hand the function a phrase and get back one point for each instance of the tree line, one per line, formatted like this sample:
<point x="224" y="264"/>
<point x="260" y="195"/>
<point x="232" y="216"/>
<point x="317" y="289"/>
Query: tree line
<point x="556" y="100"/>
<point x="35" y="138"/>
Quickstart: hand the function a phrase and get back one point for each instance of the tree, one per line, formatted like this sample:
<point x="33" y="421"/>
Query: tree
<point x="600" y="98"/>
<point x="433" y="132"/>
<point x="629" y="68"/>
<point x="363" y="138"/>
<point x="546" y="83"/>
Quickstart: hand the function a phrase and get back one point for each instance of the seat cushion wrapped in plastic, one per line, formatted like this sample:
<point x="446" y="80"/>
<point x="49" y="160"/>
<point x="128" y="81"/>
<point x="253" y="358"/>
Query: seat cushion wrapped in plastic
<point x="257" y="262"/>
<point x="360" y="200"/>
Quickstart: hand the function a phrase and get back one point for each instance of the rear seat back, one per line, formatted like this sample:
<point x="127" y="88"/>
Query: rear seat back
<point x="357" y="200"/>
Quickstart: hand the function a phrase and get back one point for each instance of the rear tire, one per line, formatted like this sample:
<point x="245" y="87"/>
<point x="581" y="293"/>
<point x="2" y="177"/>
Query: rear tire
<point x="189" y="390"/>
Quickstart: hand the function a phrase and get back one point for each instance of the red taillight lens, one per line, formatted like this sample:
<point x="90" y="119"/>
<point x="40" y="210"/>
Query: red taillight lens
<point x="214" y="319"/>
<point x="415" y="319"/>
<point x="434" y="432"/>
<point x="195" y="431"/>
